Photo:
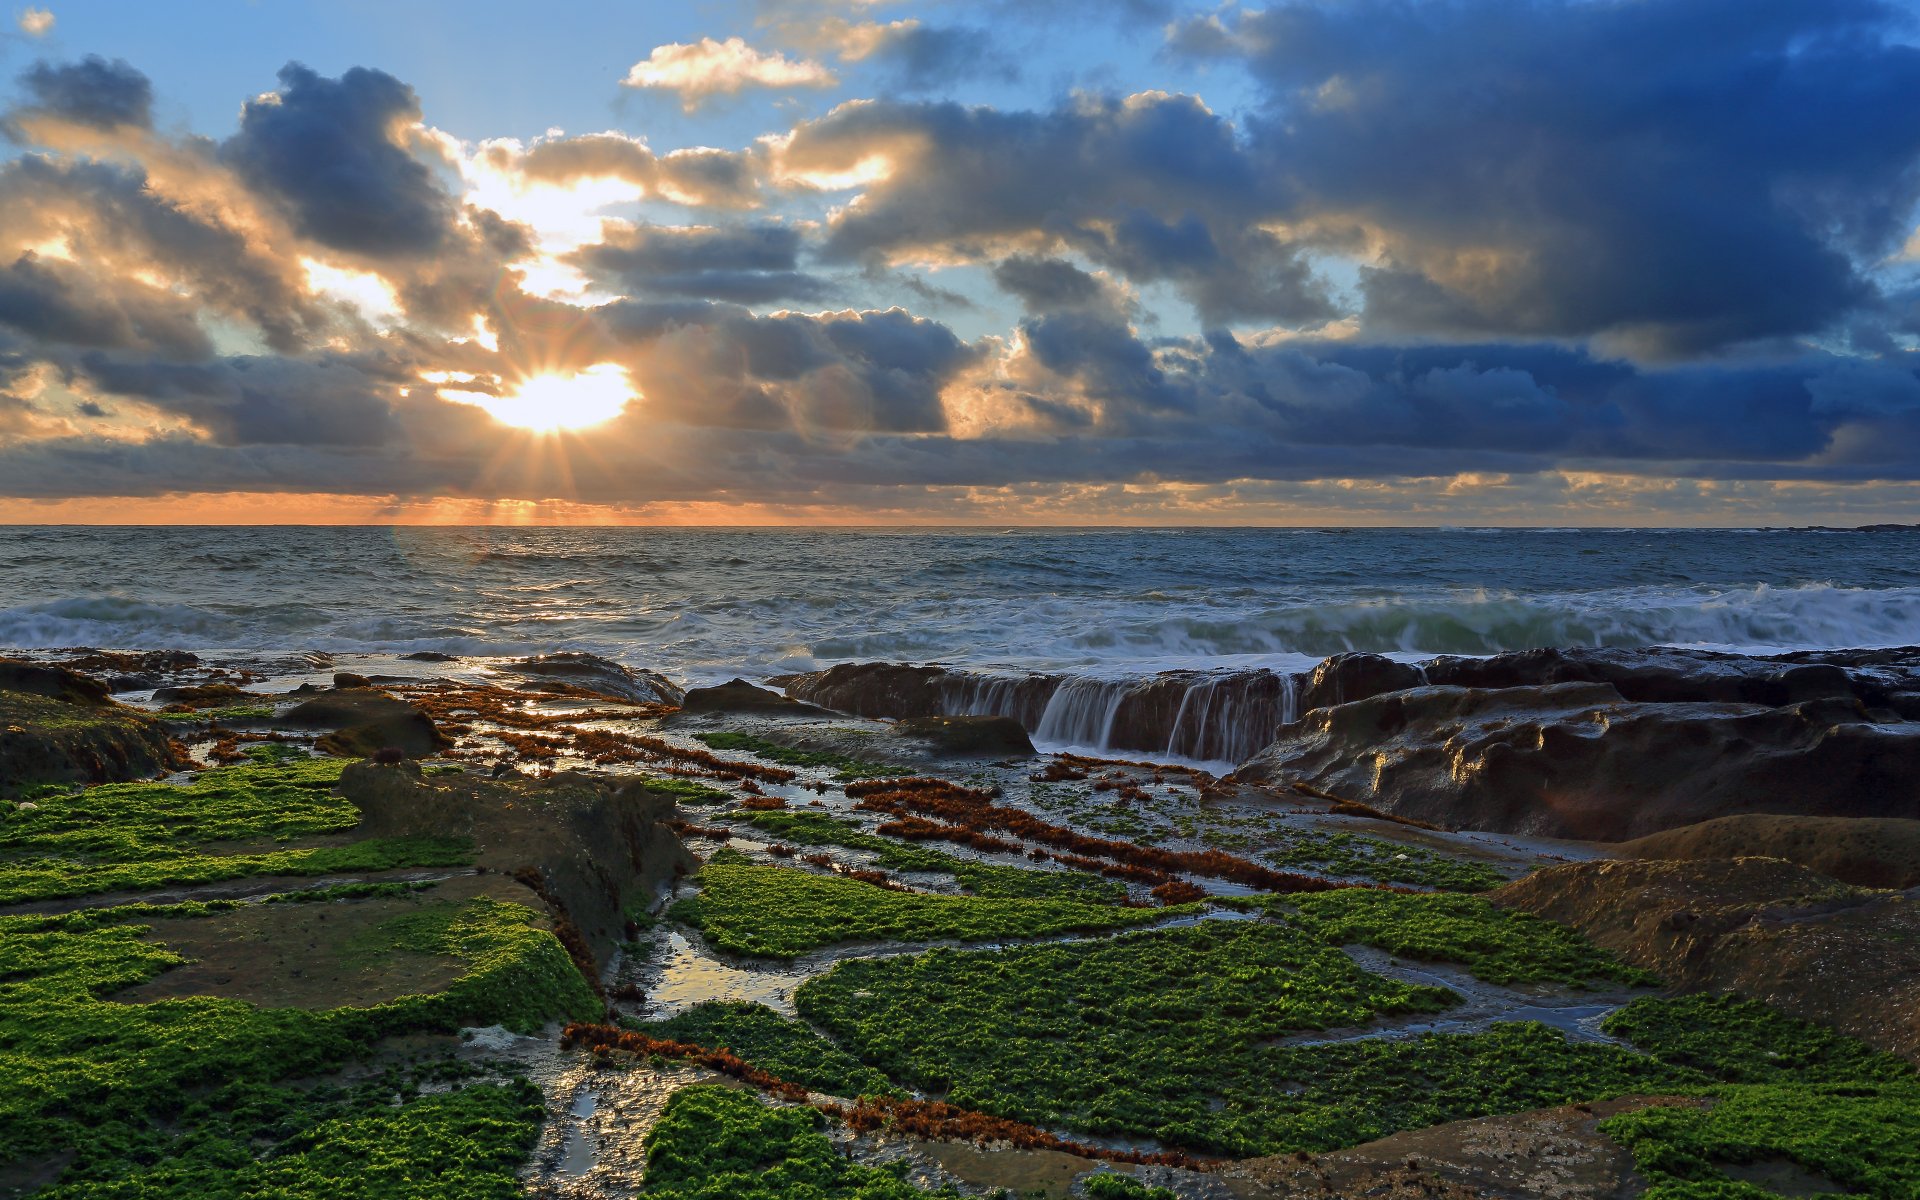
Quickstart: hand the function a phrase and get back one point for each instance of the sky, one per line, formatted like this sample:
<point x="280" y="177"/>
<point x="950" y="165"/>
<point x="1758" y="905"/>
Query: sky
<point x="1383" y="262"/>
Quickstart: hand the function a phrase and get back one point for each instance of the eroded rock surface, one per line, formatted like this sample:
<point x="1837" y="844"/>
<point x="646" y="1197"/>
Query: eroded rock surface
<point x="1577" y="760"/>
<point x="57" y="726"/>
<point x="597" y="851"/>
<point x="1882" y="852"/>
<point x="366" y="721"/>
<point x="572" y="671"/>
<point x="1838" y="955"/>
<point x="739" y="696"/>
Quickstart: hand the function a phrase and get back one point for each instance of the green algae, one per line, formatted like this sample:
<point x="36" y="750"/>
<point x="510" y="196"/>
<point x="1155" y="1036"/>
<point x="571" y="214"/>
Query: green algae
<point x="982" y="879"/>
<point x="783" y="912"/>
<point x="129" y="836"/>
<point x="688" y="791"/>
<point x="846" y="766"/>
<point x="775" y="1044"/>
<point x="1745" y="1041"/>
<point x="1495" y="945"/>
<point x="1863" y="1139"/>
<point x="326" y="1143"/>
<point x="76" y="1068"/>
<point x="721" y="1143"/>
<point x="232" y="712"/>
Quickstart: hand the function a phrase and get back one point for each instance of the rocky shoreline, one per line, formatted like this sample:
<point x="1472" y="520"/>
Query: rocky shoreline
<point x="968" y="963"/>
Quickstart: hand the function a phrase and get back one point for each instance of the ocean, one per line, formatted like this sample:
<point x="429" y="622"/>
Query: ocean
<point x="706" y="604"/>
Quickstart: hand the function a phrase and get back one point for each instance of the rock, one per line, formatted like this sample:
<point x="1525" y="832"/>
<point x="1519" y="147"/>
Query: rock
<point x="60" y="727"/>
<point x="1880" y="852"/>
<point x="739" y="696"/>
<point x="1206" y="715"/>
<point x="145" y="662"/>
<point x="206" y="695"/>
<point x="972" y="737"/>
<point x="1661" y="674"/>
<point x="131" y="683"/>
<point x="573" y="673"/>
<point x="1764" y="928"/>
<point x="1345" y="678"/>
<point x="596" y="852"/>
<point x="347" y="679"/>
<point x="56" y="683"/>
<point x="430" y="656"/>
<point x="1576" y="760"/>
<point x="366" y="721"/>
<point x="873" y="689"/>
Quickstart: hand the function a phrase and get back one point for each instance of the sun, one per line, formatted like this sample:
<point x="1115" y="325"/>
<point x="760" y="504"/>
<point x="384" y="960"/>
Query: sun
<point x="553" y="403"/>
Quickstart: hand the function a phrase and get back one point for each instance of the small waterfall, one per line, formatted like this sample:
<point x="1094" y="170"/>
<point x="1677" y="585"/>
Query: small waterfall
<point x="1211" y="717"/>
<point x="1081" y="711"/>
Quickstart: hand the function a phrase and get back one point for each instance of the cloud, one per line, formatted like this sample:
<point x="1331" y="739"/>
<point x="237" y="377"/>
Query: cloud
<point x="1153" y="185"/>
<point x="751" y="264"/>
<point x="702" y="70"/>
<point x="700" y="176"/>
<point x="35" y="22"/>
<point x="53" y="301"/>
<point x="1673" y="178"/>
<point x="92" y="92"/>
<point x="919" y="57"/>
<point x="110" y="227"/>
<point x="334" y="153"/>
<point x="1414" y="270"/>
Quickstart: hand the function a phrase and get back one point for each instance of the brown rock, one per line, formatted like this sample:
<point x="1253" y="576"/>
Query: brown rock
<point x="1843" y="956"/>
<point x="1882" y="852"/>
<point x="597" y="852"/>
<point x="973" y="737"/>
<point x="739" y="696"/>
<point x="1576" y="760"/>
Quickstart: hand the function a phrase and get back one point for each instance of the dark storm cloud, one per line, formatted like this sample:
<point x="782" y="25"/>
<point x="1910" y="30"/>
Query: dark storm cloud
<point x="52" y="301"/>
<point x="921" y="58"/>
<point x="1047" y="284"/>
<point x="1678" y="176"/>
<point x="251" y="401"/>
<point x="1156" y="187"/>
<point x="751" y="264"/>
<point x="116" y="222"/>
<point x="330" y="151"/>
<point x="967" y="176"/>
<point x="852" y="372"/>
<point x="94" y="91"/>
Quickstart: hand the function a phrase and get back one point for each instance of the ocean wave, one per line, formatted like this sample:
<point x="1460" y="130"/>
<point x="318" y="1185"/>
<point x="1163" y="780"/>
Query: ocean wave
<point x="1758" y="619"/>
<point x="113" y="621"/>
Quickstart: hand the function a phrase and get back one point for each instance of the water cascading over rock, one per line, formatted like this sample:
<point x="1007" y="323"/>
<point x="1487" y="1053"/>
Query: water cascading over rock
<point x="1218" y="717"/>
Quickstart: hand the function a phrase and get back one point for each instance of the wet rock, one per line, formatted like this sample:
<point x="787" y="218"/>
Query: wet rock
<point x="55" y="683"/>
<point x="146" y="663"/>
<point x="872" y="689"/>
<point x="1345" y="678"/>
<point x="572" y="672"/>
<point x="366" y="721"/>
<point x="739" y="696"/>
<point x="1667" y="675"/>
<point x="57" y="726"/>
<point x="971" y="737"/>
<point x="206" y="695"/>
<point x="1205" y="715"/>
<point x="430" y="656"/>
<point x="1577" y="760"/>
<point x="596" y="852"/>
